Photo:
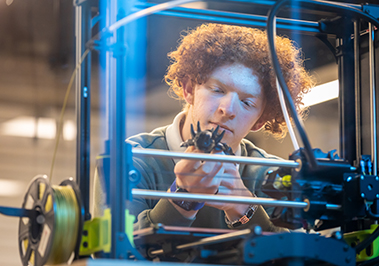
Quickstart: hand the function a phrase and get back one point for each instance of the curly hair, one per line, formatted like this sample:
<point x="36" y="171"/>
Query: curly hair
<point x="210" y="46"/>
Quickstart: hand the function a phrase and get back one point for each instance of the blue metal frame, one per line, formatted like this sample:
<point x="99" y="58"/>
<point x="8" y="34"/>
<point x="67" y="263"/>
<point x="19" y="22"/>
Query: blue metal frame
<point x="305" y="27"/>
<point x="83" y="101"/>
<point x="118" y="64"/>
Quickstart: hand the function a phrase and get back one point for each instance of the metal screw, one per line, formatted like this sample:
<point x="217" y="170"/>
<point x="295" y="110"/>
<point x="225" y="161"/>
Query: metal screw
<point x="363" y="195"/>
<point x="337" y="235"/>
<point x="257" y="230"/>
<point x="349" y="179"/>
<point x="377" y="196"/>
<point x="362" y="177"/>
<point x="133" y="175"/>
<point x="377" y="178"/>
<point x="85" y="92"/>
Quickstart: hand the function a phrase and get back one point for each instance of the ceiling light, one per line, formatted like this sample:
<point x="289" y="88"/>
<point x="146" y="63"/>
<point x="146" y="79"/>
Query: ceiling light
<point x="32" y="127"/>
<point x="11" y="188"/>
<point x="29" y="126"/>
<point x="69" y="130"/>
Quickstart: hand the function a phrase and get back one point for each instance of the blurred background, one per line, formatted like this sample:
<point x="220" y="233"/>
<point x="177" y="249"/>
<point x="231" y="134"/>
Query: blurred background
<point x="37" y="57"/>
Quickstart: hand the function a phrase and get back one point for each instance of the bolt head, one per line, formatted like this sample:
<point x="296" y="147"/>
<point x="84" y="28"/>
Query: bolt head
<point x="133" y="176"/>
<point x="257" y="230"/>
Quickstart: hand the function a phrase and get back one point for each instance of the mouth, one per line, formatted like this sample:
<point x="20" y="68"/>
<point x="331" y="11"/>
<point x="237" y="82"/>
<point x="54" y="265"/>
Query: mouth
<point x="222" y="127"/>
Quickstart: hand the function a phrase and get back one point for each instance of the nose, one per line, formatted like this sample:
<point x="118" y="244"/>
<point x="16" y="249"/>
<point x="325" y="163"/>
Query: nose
<point x="227" y="105"/>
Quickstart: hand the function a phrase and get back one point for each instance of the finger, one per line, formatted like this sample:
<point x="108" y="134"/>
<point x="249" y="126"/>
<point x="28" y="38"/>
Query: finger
<point x="210" y="183"/>
<point x="190" y="165"/>
<point x="187" y="166"/>
<point x="217" y="152"/>
<point x="228" y="183"/>
<point x="223" y="190"/>
<point x="234" y="188"/>
<point x="215" y="176"/>
<point x="210" y="168"/>
<point x="230" y="168"/>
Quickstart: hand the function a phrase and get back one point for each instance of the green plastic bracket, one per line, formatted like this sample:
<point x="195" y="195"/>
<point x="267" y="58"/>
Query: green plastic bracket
<point x="96" y="235"/>
<point x="129" y="221"/>
<point x="372" y="251"/>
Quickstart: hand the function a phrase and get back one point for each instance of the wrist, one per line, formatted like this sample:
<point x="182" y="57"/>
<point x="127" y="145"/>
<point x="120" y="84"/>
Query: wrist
<point x="243" y="219"/>
<point x="185" y="204"/>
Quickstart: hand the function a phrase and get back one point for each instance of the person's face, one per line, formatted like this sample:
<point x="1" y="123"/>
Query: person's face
<point x="231" y="98"/>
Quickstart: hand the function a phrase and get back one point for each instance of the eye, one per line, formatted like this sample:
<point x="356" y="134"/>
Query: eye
<point x="216" y="89"/>
<point x="248" y="103"/>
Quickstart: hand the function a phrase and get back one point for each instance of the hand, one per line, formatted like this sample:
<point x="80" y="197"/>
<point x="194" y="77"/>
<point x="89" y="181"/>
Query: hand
<point x="198" y="176"/>
<point x="231" y="184"/>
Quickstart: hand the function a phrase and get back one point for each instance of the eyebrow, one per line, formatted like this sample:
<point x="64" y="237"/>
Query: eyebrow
<point x="242" y="93"/>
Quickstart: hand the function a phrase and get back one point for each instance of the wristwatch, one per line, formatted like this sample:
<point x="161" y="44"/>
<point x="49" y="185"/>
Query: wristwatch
<point x="185" y="204"/>
<point x="244" y="219"/>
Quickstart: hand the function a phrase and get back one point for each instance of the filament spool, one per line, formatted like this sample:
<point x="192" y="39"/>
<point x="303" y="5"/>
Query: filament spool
<point x="52" y="236"/>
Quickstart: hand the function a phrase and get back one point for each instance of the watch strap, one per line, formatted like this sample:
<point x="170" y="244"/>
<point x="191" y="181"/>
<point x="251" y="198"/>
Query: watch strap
<point x="244" y="219"/>
<point x="185" y="204"/>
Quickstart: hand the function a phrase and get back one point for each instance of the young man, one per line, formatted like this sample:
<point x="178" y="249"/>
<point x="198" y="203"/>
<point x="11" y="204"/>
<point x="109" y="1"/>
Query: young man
<point x="224" y="75"/>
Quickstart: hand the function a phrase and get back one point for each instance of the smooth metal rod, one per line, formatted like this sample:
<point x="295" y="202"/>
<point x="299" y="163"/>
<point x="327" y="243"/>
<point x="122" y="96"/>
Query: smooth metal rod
<point x="306" y="27"/>
<point x="209" y="240"/>
<point x="215" y="157"/>
<point x="357" y="89"/>
<point x="153" y="194"/>
<point x="373" y="100"/>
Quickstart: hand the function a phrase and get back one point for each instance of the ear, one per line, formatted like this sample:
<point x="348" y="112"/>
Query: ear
<point x="188" y="91"/>
<point x="259" y="124"/>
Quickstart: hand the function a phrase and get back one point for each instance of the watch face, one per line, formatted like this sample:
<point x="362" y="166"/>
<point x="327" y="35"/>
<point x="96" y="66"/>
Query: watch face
<point x="181" y="190"/>
<point x="187" y="205"/>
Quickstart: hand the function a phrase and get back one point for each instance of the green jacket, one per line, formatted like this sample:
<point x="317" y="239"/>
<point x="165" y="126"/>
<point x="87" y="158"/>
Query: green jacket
<point x="158" y="174"/>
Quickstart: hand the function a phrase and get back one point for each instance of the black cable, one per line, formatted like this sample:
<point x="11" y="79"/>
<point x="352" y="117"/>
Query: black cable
<point x="371" y="214"/>
<point x="336" y="7"/>
<point x="373" y="262"/>
<point x="365" y="243"/>
<point x="291" y="106"/>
